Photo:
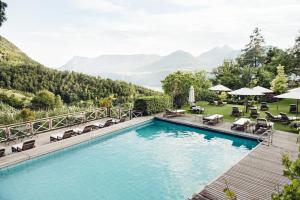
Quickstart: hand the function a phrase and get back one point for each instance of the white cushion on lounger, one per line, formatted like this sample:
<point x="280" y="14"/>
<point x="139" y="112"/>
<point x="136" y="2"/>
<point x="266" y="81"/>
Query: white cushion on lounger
<point x="78" y="130"/>
<point x="98" y="124"/>
<point x="241" y="121"/>
<point x="57" y="135"/>
<point x="18" y="146"/>
<point x="179" y="111"/>
<point x="211" y="117"/>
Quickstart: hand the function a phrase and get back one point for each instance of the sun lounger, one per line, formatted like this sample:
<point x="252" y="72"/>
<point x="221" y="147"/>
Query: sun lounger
<point x="241" y="124"/>
<point x="236" y="112"/>
<point x="288" y="119"/>
<point x="61" y="136"/>
<point x="264" y="106"/>
<point x="29" y="144"/>
<point x="254" y="113"/>
<point x="212" y="119"/>
<point x="272" y="118"/>
<point x="102" y="125"/>
<point x="196" y="109"/>
<point x="262" y="123"/>
<point x="2" y="152"/>
<point x="174" y="113"/>
<point x="122" y="119"/>
<point x="86" y="129"/>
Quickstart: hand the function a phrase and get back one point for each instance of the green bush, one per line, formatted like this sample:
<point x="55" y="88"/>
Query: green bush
<point x="152" y="104"/>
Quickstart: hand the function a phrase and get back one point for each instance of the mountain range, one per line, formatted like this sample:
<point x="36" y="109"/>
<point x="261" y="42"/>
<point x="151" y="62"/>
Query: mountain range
<point x="148" y="70"/>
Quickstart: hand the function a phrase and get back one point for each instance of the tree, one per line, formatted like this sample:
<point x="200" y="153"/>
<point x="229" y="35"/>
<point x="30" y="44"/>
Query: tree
<point x="106" y="102"/>
<point x="26" y="114"/>
<point x="279" y="84"/>
<point x="58" y="102"/>
<point x="3" y="5"/>
<point x="44" y="100"/>
<point x="290" y="191"/>
<point x="254" y="54"/>
<point x="177" y="85"/>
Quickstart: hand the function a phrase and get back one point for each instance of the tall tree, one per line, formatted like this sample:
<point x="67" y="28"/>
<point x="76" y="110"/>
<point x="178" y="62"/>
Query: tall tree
<point x="3" y="5"/>
<point x="254" y="54"/>
<point x="279" y="84"/>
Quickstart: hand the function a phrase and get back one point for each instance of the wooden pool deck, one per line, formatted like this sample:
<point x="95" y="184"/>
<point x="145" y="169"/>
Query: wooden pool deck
<point x="257" y="175"/>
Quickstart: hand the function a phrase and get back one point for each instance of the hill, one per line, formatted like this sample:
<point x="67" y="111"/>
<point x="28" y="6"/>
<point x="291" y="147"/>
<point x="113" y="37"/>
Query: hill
<point x="148" y="70"/>
<point x="19" y="72"/>
<point x="12" y="55"/>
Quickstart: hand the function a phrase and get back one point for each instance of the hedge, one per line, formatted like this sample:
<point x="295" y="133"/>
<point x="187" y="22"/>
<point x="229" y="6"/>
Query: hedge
<point x="152" y="104"/>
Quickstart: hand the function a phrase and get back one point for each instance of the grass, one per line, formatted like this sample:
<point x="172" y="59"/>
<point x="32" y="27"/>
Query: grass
<point x="274" y="108"/>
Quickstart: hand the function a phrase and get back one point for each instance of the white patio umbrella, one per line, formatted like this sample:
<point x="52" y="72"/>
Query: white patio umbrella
<point x="295" y="90"/>
<point x="262" y="89"/>
<point x="246" y="92"/>
<point x="290" y="95"/>
<point x="219" y="88"/>
<point x="192" y="95"/>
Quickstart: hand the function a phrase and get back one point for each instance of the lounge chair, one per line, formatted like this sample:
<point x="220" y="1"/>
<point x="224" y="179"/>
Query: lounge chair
<point x="241" y="124"/>
<point x="106" y="124"/>
<point x="2" y="152"/>
<point x="196" y="109"/>
<point x="29" y="144"/>
<point x="174" y="113"/>
<point x="254" y="113"/>
<point x="61" y="136"/>
<point x="122" y="119"/>
<point x="293" y="108"/>
<point x="236" y="112"/>
<point x="264" y="106"/>
<point x="272" y="118"/>
<point x="212" y="119"/>
<point x="288" y="119"/>
<point x="86" y="129"/>
<point x="262" y="123"/>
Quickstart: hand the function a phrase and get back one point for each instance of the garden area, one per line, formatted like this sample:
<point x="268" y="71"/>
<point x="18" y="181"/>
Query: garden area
<point x="274" y="108"/>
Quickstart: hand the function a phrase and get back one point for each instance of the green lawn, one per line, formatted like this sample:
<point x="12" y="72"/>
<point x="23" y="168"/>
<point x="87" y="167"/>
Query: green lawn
<point x="274" y="108"/>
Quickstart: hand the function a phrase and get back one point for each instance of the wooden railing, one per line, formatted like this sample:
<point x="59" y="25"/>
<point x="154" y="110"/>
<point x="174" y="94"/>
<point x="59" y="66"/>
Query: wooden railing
<point x="32" y="128"/>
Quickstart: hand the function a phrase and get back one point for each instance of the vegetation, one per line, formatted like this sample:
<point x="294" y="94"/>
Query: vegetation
<point x="257" y="64"/>
<point x="290" y="191"/>
<point x="46" y="100"/>
<point x="177" y="85"/>
<point x="26" y="114"/>
<point x="3" y="5"/>
<point x="106" y="102"/>
<point x="279" y="84"/>
<point x="152" y="104"/>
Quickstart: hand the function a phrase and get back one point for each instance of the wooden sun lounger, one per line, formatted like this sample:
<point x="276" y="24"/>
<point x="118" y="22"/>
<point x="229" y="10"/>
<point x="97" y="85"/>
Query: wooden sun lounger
<point x="86" y="129"/>
<point x="213" y="119"/>
<point x="2" y="152"/>
<point x="241" y="124"/>
<point x="29" y="144"/>
<point x="173" y="113"/>
<point x="102" y="125"/>
<point x="61" y="136"/>
<point x="288" y="119"/>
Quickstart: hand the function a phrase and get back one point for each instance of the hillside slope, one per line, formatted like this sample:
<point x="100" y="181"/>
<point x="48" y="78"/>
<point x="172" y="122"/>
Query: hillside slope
<point x="12" y="55"/>
<point x="19" y="72"/>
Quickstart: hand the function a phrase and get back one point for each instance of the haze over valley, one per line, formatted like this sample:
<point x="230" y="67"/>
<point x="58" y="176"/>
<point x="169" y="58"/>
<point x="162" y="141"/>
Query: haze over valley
<point x="148" y="69"/>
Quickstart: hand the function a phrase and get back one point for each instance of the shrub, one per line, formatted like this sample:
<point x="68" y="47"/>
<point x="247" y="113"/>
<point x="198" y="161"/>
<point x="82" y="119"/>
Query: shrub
<point x="152" y="104"/>
<point x="26" y="114"/>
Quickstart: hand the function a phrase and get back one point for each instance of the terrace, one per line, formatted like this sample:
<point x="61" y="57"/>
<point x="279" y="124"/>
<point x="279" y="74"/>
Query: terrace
<point x="255" y="176"/>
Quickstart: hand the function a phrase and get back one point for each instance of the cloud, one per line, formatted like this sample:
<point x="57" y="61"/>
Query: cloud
<point x="94" y="27"/>
<point x="97" y="5"/>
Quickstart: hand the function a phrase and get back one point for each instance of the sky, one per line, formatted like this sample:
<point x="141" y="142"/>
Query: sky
<point x="53" y="31"/>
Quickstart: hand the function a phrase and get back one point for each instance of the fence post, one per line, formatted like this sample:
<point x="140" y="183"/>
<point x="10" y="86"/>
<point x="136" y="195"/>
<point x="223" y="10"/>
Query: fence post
<point x="119" y="113"/>
<point x="50" y="123"/>
<point x="130" y="114"/>
<point x="7" y="131"/>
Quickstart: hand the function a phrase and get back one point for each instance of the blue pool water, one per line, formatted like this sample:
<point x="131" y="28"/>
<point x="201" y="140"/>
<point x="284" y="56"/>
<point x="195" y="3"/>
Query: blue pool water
<point x="153" y="161"/>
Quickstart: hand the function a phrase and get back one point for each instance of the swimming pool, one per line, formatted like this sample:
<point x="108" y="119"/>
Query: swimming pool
<point x="154" y="160"/>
